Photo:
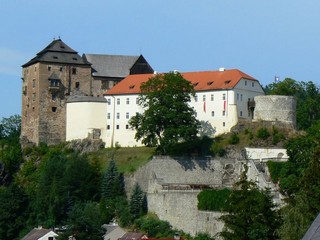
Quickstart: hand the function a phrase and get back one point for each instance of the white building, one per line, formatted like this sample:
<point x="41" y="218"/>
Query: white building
<point x="222" y="98"/>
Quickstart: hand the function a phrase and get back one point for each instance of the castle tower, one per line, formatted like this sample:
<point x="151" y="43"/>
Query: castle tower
<point x="49" y="78"/>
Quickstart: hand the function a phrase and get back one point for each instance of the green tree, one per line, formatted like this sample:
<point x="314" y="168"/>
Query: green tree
<point x="304" y="205"/>
<point x="112" y="185"/>
<point x="13" y="211"/>
<point x="137" y="202"/>
<point x="84" y="222"/>
<point x="167" y="119"/>
<point x="10" y="127"/>
<point x="250" y="213"/>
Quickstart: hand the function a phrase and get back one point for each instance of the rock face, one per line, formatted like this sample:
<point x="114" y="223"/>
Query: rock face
<point x="86" y="145"/>
<point x="172" y="186"/>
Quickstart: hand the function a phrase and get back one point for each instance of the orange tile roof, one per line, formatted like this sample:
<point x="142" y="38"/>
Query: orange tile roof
<point x="202" y="81"/>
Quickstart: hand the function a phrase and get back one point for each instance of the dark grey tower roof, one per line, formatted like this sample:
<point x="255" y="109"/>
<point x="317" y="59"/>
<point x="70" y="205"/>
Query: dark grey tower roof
<point x="57" y="52"/>
<point x="111" y="65"/>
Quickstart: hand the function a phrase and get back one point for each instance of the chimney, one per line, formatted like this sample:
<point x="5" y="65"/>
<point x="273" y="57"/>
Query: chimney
<point x="222" y="69"/>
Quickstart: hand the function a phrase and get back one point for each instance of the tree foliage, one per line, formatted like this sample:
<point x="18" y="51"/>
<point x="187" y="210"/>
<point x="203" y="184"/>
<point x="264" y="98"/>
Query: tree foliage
<point x="250" y="213"/>
<point x="167" y="118"/>
<point x="13" y="211"/>
<point x="84" y="222"/>
<point x="138" y="204"/>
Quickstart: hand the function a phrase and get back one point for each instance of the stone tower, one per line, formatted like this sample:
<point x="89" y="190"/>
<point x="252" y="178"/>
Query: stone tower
<point x="49" y="78"/>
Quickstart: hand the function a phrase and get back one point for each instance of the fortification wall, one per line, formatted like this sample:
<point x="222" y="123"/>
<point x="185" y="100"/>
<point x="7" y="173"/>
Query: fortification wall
<point x="172" y="186"/>
<point x="180" y="209"/>
<point x="276" y="109"/>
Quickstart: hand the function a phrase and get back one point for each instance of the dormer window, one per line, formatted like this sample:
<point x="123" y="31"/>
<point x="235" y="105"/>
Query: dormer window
<point x="195" y="84"/>
<point x="209" y="83"/>
<point x="75" y="59"/>
<point x="227" y="82"/>
<point x="54" y="57"/>
<point x="131" y="86"/>
<point x="54" y="83"/>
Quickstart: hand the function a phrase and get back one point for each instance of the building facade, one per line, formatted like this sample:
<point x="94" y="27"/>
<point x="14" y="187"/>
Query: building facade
<point x="58" y="72"/>
<point x="223" y="98"/>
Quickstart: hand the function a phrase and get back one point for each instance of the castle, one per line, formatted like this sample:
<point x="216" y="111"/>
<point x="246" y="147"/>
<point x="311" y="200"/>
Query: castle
<point x="66" y="96"/>
<point x="59" y="72"/>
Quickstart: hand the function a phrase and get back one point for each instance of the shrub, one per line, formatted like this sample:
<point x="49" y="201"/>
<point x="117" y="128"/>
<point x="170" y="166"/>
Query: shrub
<point x="234" y="139"/>
<point x="213" y="200"/>
<point x="263" y="133"/>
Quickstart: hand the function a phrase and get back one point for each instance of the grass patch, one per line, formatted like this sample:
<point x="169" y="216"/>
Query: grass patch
<point x="128" y="159"/>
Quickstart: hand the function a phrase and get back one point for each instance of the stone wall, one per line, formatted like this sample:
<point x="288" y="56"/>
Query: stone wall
<point x="276" y="109"/>
<point x="172" y="186"/>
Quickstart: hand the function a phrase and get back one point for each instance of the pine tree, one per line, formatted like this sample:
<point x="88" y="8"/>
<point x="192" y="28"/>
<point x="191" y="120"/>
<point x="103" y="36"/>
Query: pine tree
<point x="250" y="213"/>
<point x="137" y="202"/>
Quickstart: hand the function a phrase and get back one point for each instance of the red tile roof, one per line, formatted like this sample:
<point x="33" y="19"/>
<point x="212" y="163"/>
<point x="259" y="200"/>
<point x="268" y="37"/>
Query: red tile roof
<point x="202" y="81"/>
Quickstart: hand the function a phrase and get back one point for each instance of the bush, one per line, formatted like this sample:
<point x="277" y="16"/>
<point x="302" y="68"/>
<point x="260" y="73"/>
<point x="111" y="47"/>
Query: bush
<point x="263" y="133"/>
<point x="234" y="139"/>
<point x="213" y="200"/>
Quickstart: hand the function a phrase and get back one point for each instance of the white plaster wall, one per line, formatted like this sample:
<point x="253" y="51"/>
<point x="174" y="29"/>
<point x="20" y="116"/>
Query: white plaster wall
<point x="209" y="107"/>
<point x="264" y="154"/>
<point x="83" y="117"/>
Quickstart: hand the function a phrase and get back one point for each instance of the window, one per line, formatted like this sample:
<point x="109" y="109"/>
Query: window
<point x="35" y="69"/>
<point x="61" y="69"/>
<point x="109" y="101"/>
<point x="137" y="101"/>
<point x="224" y="124"/>
<point x="223" y="113"/>
<point x="128" y="101"/>
<point x="117" y="127"/>
<point x="118" y="115"/>
<point x="74" y="71"/>
<point x="54" y="109"/>
<point x="195" y="114"/>
<point x="53" y="96"/>
<point x="127" y="126"/>
<point x="212" y="97"/>
<point x="33" y="96"/>
<point x="245" y="83"/>
<point x="252" y="84"/>
<point x="196" y="98"/>
<point x="33" y="83"/>
<point x="54" y="82"/>
<point x="237" y="96"/>
<point x="108" y="115"/>
<point x="241" y="97"/>
<point x="77" y="85"/>
<point x="127" y="115"/>
<point x="212" y="114"/>
<point x="224" y="96"/>
<point x="118" y="101"/>
<point x="204" y="98"/>
<point x="108" y="127"/>
<point x="240" y="113"/>
<point x="49" y="68"/>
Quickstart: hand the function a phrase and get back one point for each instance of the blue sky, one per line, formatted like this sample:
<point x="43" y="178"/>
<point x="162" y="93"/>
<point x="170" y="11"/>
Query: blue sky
<point x="262" y="38"/>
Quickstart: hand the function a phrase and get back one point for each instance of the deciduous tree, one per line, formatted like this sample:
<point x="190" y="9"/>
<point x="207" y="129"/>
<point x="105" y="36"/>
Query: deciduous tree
<point x="167" y="118"/>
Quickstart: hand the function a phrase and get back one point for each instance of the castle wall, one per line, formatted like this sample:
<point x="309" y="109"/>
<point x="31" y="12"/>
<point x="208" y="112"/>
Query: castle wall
<point x="275" y="108"/>
<point x="180" y="209"/>
<point x="169" y="184"/>
<point x="86" y="117"/>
